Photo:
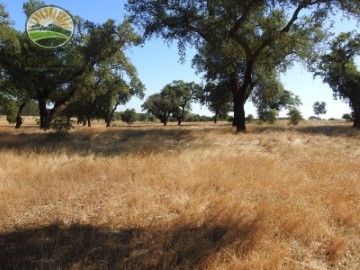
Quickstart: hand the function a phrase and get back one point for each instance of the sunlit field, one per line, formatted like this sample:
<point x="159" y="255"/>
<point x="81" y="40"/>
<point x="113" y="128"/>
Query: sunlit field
<point x="144" y="196"/>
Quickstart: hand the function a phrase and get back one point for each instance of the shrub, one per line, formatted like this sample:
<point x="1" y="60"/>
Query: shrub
<point x="250" y="118"/>
<point x="347" y="117"/>
<point x="271" y="116"/>
<point x="259" y="122"/>
<point x="61" y="124"/>
<point x="230" y="118"/>
<point x="11" y="112"/>
<point x="295" y="116"/>
<point x="129" y="116"/>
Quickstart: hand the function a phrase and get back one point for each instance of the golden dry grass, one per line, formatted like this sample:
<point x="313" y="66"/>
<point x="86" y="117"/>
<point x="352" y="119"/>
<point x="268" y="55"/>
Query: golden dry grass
<point x="194" y="197"/>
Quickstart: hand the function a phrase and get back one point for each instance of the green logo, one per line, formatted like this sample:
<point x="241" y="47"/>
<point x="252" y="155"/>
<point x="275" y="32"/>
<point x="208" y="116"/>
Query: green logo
<point x="50" y="27"/>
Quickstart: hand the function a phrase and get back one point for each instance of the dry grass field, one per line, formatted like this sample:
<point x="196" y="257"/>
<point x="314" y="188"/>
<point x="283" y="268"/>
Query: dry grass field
<point x="191" y="197"/>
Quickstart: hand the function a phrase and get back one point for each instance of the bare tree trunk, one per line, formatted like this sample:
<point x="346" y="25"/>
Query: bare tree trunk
<point x="216" y="117"/>
<point x="239" y="96"/>
<point x="89" y="122"/>
<point x="239" y="113"/>
<point x="108" y="121"/>
<point x="45" y="116"/>
<point x="19" y="119"/>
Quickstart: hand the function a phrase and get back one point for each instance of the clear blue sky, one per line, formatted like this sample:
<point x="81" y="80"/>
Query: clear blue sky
<point x="158" y="64"/>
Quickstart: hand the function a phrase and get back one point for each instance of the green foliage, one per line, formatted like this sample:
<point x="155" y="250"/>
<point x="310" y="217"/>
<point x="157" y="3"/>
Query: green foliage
<point x="240" y="41"/>
<point x="56" y="76"/>
<point x="319" y="108"/>
<point x="31" y="108"/>
<point x="61" y="124"/>
<point x="218" y="99"/>
<point x="259" y="122"/>
<point x="250" y="118"/>
<point x="160" y="106"/>
<point x="11" y="112"/>
<point x="271" y="116"/>
<point x="230" y="118"/>
<point x="129" y="116"/>
<point x="32" y="5"/>
<point x="339" y="70"/>
<point x="295" y="116"/>
<point x="270" y="94"/>
<point x="347" y="117"/>
<point x="181" y="95"/>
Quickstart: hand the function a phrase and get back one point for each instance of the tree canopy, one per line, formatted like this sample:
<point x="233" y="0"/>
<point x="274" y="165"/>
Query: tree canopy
<point x="338" y="69"/>
<point x="319" y="108"/>
<point x="263" y="33"/>
<point x="51" y="77"/>
<point x="160" y="106"/>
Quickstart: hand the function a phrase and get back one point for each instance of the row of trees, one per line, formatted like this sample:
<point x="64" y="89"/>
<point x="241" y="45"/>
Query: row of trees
<point x="89" y="77"/>
<point x="242" y="48"/>
<point x="175" y="100"/>
<point x="247" y="44"/>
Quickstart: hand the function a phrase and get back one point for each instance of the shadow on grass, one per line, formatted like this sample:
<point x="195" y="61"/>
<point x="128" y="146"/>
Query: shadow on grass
<point x="86" y="247"/>
<point x="326" y="130"/>
<point x="104" y="143"/>
<point x="332" y="130"/>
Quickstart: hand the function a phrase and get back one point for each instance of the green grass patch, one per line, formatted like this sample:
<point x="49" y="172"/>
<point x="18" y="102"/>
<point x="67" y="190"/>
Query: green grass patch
<point x="38" y="35"/>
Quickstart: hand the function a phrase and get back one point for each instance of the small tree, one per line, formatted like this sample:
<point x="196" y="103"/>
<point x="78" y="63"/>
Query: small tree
<point x="347" y="117"/>
<point x="295" y="116"/>
<point x="129" y="116"/>
<point x="61" y="124"/>
<point x="339" y="70"/>
<point x="159" y="106"/>
<point x="250" y="118"/>
<point x="319" y="108"/>
<point x="11" y="112"/>
<point x="271" y="116"/>
<point x="181" y="95"/>
<point x="217" y="98"/>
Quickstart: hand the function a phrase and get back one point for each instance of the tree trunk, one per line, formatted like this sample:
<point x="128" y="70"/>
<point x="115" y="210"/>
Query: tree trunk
<point x="239" y="113"/>
<point x="45" y="116"/>
<point x="84" y="123"/>
<point x="165" y="122"/>
<point x="108" y="120"/>
<point x="239" y="95"/>
<point x="179" y="121"/>
<point x="216" y="117"/>
<point x="19" y="119"/>
<point x="89" y="122"/>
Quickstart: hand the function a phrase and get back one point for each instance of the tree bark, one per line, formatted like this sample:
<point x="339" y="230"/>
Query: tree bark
<point x="239" y="96"/>
<point x="89" y="122"/>
<point x="45" y="116"/>
<point x="19" y="119"/>
<point x="179" y="121"/>
<point x="84" y="123"/>
<point x="216" y="117"/>
<point x="108" y="121"/>
<point x="239" y="113"/>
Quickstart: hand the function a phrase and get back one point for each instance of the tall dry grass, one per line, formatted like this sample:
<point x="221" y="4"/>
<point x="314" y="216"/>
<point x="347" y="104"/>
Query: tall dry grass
<point x="196" y="197"/>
